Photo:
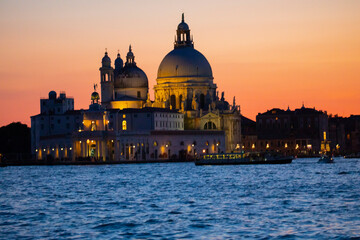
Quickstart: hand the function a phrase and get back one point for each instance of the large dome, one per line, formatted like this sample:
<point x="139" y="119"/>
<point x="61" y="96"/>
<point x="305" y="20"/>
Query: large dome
<point x="131" y="77"/>
<point x="184" y="62"/>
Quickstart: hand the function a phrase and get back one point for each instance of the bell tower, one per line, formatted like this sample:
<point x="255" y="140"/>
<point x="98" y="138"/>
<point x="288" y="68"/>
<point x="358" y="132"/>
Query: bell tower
<point x="106" y="80"/>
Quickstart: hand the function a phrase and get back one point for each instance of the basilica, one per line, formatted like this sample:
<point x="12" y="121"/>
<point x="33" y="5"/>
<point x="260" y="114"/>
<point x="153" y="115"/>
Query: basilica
<point x="186" y="116"/>
<point x="184" y="82"/>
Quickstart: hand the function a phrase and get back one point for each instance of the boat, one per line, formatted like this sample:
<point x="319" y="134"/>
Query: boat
<point x="326" y="159"/>
<point x="242" y="159"/>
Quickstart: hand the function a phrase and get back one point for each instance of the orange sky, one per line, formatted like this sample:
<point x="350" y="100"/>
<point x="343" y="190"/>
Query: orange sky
<point x="266" y="53"/>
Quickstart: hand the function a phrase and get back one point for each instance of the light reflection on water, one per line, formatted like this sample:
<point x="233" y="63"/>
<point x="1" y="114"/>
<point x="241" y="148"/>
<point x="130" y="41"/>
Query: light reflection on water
<point x="179" y="200"/>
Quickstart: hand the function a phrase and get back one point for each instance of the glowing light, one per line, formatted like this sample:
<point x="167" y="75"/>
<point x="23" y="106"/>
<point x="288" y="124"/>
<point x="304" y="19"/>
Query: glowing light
<point x="44" y="149"/>
<point x="53" y="149"/>
<point x="79" y="141"/>
<point x="267" y="145"/>
<point x="203" y="150"/>
<point x="70" y="148"/>
<point x="166" y="145"/>
<point x="88" y="141"/>
<point x="297" y="146"/>
<point x="192" y="145"/>
<point x="309" y="146"/>
<point x="36" y="150"/>
<point x="286" y="145"/>
<point x="253" y="146"/>
<point x="112" y="141"/>
<point x="62" y="149"/>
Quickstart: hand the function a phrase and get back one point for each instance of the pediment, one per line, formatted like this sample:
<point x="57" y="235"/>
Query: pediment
<point x="210" y="116"/>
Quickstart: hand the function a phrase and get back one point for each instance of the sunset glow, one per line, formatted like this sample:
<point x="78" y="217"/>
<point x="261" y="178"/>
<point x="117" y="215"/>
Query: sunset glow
<point x="265" y="53"/>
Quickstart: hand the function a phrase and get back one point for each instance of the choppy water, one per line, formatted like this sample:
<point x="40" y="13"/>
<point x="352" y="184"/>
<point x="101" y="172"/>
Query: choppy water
<point x="179" y="200"/>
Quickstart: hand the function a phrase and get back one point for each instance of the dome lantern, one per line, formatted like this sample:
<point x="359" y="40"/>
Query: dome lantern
<point x="183" y="38"/>
<point x="130" y="58"/>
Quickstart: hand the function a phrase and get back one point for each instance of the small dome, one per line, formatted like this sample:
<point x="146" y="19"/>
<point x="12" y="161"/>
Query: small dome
<point x="95" y="96"/>
<point x="52" y="95"/>
<point x="131" y="77"/>
<point x="130" y="54"/>
<point x="106" y="61"/>
<point x="183" y="27"/>
<point x="118" y="62"/>
<point x="184" y="62"/>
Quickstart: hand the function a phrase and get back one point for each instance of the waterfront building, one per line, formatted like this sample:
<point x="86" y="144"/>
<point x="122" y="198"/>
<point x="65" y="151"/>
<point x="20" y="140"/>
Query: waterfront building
<point x="102" y="134"/>
<point x="344" y="134"/>
<point x="303" y="131"/>
<point x="51" y="130"/>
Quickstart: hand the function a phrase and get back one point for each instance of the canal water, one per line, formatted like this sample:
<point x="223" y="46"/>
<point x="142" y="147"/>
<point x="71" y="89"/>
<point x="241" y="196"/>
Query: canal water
<point x="182" y="201"/>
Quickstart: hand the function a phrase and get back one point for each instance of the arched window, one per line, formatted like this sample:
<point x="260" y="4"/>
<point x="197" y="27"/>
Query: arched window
<point x="124" y="126"/>
<point x="210" y="125"/>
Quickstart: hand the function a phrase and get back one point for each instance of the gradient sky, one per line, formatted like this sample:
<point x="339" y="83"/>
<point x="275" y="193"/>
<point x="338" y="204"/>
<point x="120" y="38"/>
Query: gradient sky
<point x="266" y="53"/>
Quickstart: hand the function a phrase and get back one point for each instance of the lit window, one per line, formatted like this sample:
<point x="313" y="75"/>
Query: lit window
<point x="93" y="126"/>
<point x="124" y="125"/>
